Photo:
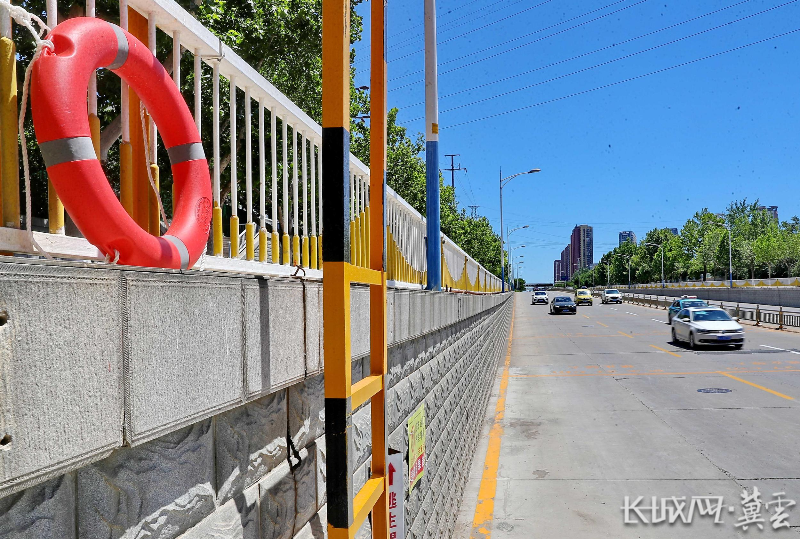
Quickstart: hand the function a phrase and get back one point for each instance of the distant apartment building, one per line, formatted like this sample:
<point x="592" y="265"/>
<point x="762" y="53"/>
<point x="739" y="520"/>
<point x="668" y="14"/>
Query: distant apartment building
<point x="627" y="235"/>
<point x="565" y="265"/>
<point x="674" y="231"/>
<point x="581" y="248"/>
<point x="557" y="271"/>
<point x="772" y="210"/>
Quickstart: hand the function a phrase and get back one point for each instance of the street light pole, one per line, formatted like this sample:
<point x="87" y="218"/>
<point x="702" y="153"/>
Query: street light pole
<point x="504" y="181"/>
<point x="730" y="256"/>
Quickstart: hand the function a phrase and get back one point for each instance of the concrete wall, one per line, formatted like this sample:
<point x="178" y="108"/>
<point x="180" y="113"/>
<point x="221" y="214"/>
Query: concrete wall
<point x="161" y="404"/>
<point x="786" y="297"/>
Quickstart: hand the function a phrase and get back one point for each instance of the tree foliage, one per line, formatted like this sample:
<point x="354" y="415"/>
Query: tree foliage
<point x="745" y="237"/>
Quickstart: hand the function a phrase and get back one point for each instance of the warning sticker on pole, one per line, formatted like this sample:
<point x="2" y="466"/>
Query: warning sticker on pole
<point x="416" y="446"/>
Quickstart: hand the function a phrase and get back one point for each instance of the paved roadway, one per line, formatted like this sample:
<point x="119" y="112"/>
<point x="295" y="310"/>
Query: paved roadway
<point x="593" y="407"/>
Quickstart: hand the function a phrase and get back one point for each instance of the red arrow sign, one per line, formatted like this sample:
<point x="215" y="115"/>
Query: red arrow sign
<point x="391" y="474"/>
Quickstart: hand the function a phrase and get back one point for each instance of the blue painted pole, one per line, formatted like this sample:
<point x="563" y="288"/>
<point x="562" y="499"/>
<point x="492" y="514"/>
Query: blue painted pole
<point x="432" y="203"/>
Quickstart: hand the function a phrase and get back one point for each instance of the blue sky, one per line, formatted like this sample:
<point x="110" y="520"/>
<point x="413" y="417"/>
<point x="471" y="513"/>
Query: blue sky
<point x="631" y="156"/>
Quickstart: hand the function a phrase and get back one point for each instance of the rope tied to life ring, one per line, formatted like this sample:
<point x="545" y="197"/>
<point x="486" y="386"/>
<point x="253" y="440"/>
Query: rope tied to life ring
<point x="27" y="20"/>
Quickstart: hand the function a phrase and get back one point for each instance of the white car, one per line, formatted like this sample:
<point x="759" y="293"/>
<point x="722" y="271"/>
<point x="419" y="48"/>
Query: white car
<point x="706" y="325"/>
<point x="611" y="295"/>
<point x="539" y="296"/>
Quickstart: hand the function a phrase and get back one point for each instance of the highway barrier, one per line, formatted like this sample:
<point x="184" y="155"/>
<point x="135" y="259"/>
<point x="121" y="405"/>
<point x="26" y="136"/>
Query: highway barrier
<point x="758" y="314"/>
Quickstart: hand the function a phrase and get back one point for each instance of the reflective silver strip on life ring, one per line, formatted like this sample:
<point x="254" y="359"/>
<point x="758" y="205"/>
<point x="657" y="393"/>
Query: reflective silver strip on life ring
<point x="186" y="152"/>
<point x="66" y="150"/>
<point x="182" y="250"/>
<point x="122" y="48"/>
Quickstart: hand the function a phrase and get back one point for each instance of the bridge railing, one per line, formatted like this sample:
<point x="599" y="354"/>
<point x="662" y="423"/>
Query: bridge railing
<point x="275" y="222"/>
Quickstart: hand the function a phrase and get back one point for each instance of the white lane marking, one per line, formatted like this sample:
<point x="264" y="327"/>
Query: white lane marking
<point x="781" y="349"/>
<point x="659" y="321"/>
<point x="632" y="314"/>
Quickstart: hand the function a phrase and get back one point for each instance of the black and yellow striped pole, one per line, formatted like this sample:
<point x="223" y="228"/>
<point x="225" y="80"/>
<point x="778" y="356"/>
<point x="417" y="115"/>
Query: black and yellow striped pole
<point x="347" y="510"/>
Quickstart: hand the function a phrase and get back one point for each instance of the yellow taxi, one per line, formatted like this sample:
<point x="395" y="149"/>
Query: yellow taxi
<point x="582" y="295"/>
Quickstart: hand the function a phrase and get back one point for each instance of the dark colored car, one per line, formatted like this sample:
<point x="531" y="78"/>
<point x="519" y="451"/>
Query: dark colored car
<point x="686" y="302"/>
<point x="563" y="304"/>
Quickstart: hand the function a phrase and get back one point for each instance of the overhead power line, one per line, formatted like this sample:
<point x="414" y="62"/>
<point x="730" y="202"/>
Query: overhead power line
<point x="462" y="6"/>
<point x="472" y="31"/>
<point x="625" y="57"/>
<point x="613" y="45"/>
<point x="617" y="83"/>
<point x="584" y="23"/>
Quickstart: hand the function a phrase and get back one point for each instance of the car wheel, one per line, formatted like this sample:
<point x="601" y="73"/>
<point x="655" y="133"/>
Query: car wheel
<point x="692" y="344"/>
<point x="674" y="337"/>
<point x="737" y="346"/>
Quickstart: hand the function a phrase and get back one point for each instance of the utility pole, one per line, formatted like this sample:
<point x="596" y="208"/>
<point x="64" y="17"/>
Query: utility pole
<point x="452" y="170"/>
<point x="432" y="209"/>
<point x="474" y="210"/>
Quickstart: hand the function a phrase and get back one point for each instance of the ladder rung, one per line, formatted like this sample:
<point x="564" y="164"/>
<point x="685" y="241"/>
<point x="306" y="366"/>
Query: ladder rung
<point x="366" y="499"/>
<point x="356" y="274"/>
<point x="364" y="390"/>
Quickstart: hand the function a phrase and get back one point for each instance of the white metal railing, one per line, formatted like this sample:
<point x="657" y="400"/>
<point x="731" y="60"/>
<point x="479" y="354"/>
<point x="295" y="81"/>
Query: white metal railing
<point x="290" y="234"/>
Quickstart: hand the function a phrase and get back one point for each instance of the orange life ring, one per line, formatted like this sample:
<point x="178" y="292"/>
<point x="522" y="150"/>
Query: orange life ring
<point x="59" y="83"/>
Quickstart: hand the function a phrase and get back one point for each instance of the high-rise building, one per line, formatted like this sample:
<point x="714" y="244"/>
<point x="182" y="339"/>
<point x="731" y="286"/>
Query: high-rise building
<point x="566" y="265"/>
<point x="627" y="235"/>
<point x="581" y="247"/>
<point x="557" y="270"/>
<point x="772" y="210"/>
<point x="674" y="231"/>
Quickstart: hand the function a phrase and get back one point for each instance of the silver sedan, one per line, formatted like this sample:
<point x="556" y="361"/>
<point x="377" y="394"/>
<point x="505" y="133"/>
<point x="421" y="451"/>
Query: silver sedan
<point x="706" y="325"/>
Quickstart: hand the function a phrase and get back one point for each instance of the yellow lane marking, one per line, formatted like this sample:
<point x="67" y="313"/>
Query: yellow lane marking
<point x="650" y="373"/>
<point x="663" y="350"/>
<point x="781" y="395"/>
<point x="625" y="334"/>
<point x="602" y="324"/>
<point x="484" y="511"/>
<point x="584" y="316"/>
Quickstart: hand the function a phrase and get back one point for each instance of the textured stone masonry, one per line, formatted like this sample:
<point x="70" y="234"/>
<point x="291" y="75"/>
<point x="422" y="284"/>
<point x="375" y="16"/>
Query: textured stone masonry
<point x="210" y="424"/>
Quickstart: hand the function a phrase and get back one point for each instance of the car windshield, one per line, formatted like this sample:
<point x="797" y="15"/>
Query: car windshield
<point x="612" y="291"/>
<point x="563" y="300"/>
<point x="716" y="315"/>
<point x="694" y="303"/>
<point x="583" y="293"/>
<point x="540" y="293"/>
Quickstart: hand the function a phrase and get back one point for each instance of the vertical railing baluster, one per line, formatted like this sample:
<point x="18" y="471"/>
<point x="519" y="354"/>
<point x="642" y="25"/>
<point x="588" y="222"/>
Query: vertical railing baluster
<point x="273" y="137"/>
<point x="217" y="216"/>
<point x="295" y="206"/>
<point x="304" y="161"/>
<point x="94" y="120"/>
<point x="313" y="205"/>
<point x="55" y="209"/>
<point x="353" y="248"/>
<point x="176" y="78"/>
<point x="234" y="189"/>
<point x="285" y="193"/>
<point x="248" y="186"/>
<point x="153" y="212"/>
<point x="9" y="132"/>
<point x="319" y="199"/>
<point x="198" y="96"/>
<point x="262" y="187"/>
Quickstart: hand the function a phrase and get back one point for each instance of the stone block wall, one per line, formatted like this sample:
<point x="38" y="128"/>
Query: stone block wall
<point x="159" y="404"/>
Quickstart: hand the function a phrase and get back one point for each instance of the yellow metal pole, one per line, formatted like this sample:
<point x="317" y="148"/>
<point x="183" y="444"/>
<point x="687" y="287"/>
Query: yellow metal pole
<point x="249" y="241"/>
<point x="313" y="253"/>
<point x="286" y="249"/>
<point x="216" y="225"/>
<point x="262" y="245"/>
<point x="94" y="129"/>
<point x="137" y="26"/>
<point x="9" y="160"/>
<point x="275" y="249"/>
<point x="296" y="250"/>
<point x="305" y="252"/>
<point x="126" y="176"/>
<point x="234" y="236"/>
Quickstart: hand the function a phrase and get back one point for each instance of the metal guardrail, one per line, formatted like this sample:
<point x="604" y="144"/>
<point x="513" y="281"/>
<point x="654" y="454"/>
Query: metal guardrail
<point x="289" y="175"/>
<point x="758" y="314"/>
